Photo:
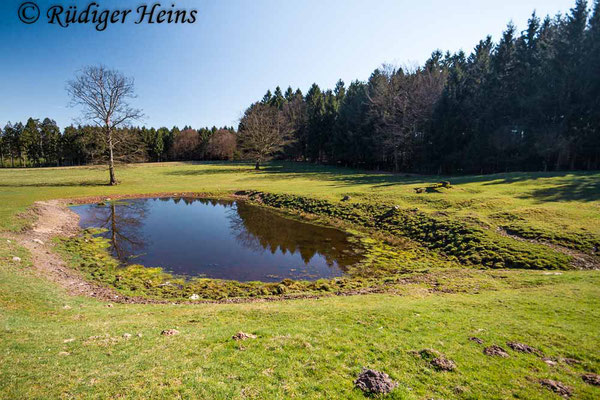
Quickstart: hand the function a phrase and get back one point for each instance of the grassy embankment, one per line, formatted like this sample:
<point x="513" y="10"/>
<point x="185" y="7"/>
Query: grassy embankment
<point x="311" y="348"/>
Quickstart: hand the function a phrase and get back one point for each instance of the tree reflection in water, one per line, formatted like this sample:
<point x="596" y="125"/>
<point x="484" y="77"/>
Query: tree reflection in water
<point x="262" y="229"/>
<point x="123" y="222"/>
<point x="220" y="239"/>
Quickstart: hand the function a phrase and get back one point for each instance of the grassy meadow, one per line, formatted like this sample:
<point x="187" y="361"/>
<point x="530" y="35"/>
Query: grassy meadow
<point x="53" y="345"/>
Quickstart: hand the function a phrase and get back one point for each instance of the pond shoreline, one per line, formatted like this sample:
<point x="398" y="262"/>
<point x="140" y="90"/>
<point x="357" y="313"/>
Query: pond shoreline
<point x="54" y="219"/>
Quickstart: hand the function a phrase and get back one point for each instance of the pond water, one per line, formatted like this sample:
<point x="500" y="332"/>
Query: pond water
<point x="219" y="239"/>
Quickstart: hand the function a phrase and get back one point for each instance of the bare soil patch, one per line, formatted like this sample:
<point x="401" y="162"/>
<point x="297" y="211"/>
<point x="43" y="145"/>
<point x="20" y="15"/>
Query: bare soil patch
<point x="374" y="382"/>
<point x="557" y="387"/>
<point x="592" y="379"/>
<point x="523" y="348"/>
<point x="243" y="336"/>
<point x="55" y="219"/>
<point x="495" y="350"/>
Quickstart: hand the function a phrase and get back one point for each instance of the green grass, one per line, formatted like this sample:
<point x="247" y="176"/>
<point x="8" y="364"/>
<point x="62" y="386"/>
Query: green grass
<point x="310" y="348"/>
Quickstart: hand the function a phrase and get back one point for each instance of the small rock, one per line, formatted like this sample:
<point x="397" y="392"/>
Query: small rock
<point x="67" y="307"/>
<point x="592" y="379"/>
<point x="476" y="340"/>
<point x="374" y="382"/>
<point x="243" y="336"/>
<point x="523" y="348"/>
<point x="557" y="387"/>
<point x="443" y="364"/>
<point x="170" y="332"/>
<point x="38" y="241"/>
<point x="127" y="335"/>
<point x="495" y="350"/>
<point x="194" y="297"/>
<point x="549" y="361"/>
<point x="8" y="241"/>
<point x="16" y="259"/>
<point x="69" y="340"/>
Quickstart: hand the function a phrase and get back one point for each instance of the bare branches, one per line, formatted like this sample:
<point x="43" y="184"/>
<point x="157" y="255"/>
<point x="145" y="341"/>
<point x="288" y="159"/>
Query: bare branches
<point x="103" y="94"/>
<point x="264" y="132"/>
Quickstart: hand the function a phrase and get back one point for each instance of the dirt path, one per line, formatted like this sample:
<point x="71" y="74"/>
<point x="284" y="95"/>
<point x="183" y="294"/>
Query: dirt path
<point x="55" y="219"/>
<point x="581" y="260"/>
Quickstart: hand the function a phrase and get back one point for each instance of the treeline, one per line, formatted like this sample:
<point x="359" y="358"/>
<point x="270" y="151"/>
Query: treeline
<point x="531" y="101"/>
<point x="41" y="143"/>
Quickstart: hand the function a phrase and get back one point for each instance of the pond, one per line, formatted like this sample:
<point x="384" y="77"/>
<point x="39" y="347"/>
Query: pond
<point x="219" y="239"/>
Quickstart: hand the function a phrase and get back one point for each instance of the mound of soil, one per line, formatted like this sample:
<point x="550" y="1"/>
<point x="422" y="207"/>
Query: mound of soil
<point x="243" y="336"/>
<point x="495" y="350"/>
<point x="443" y="364"/>
<point x="592" y="379"/>
<point x="476" y="340"/>
<point x="523" y="348"/>
<point x="374" y="382"/>
<point x="557" y="387"/>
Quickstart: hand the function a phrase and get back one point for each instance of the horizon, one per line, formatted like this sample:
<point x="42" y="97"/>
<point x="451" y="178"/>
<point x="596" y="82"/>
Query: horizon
<point x="206" y="74"/>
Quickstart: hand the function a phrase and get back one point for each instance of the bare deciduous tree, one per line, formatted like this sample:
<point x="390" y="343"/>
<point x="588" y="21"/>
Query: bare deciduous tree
<point x="264" y="131"/>
<point x="104" y="95"/>
<point x="222" y="145"/>
<point x="402" y="102"/>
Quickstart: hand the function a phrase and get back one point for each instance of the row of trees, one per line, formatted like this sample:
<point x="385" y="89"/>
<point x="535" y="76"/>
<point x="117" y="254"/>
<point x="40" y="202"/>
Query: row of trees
<point x="529" y="102"/>
<point x="41" y="143"/>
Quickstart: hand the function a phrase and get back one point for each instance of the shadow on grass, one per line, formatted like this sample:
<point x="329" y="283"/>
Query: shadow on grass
<point x="56" y="184"/>
<point x="582" y="189"/>
<point x="349" y="177"/>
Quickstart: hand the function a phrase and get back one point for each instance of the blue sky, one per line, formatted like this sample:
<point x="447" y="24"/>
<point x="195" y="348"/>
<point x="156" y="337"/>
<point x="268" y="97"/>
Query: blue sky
<point x="207" y="73"/>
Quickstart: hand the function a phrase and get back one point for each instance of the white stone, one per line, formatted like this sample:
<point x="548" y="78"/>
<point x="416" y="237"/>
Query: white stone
<point x="194" y="297"/>
<point x="17" y="259"/>
<point x="127" y="335"/>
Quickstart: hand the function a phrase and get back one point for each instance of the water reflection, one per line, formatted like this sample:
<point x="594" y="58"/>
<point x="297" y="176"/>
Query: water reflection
<point x="219" y="239"/>
<point x="123" y="222"/>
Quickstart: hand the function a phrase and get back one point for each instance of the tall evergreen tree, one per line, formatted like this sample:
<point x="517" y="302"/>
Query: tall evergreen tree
<point x="315" y="106"/>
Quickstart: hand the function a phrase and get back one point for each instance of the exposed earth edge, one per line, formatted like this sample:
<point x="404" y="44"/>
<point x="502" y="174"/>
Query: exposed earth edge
<point x="54" y="219"/>
<point x="581" y="260"/>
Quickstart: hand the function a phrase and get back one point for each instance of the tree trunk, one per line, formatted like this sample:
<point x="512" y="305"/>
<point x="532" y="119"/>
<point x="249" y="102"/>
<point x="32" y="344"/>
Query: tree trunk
<point x="257" y="166"/>
<point x="111" y="163"/>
